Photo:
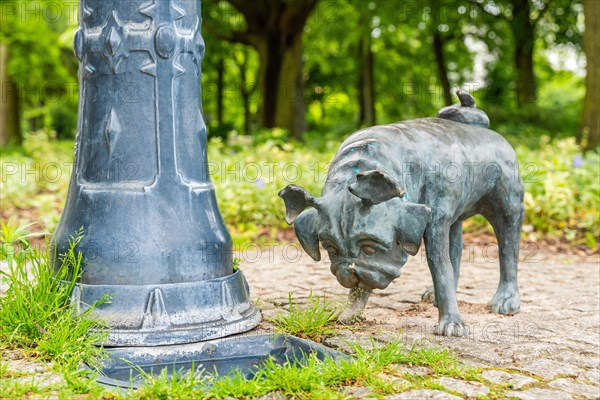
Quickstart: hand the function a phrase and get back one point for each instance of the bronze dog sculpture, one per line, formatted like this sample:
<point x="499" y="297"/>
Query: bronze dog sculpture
<point x="390" y="186"/>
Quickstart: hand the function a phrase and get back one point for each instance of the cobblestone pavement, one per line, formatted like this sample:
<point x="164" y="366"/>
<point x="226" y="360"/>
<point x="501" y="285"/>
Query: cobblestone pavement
<point x="550" y="350"/>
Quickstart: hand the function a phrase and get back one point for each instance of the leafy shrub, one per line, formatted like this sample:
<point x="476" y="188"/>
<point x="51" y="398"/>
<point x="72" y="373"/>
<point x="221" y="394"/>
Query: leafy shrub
<point x="36" y="177"/>
<point x="62" y="118"/>
<point x="561" y="189"/>
<point x="247" y="178"/>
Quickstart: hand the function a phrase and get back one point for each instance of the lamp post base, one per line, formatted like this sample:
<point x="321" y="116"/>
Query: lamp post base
<point x="127" y="367"/>
<point x="168" y="314"/>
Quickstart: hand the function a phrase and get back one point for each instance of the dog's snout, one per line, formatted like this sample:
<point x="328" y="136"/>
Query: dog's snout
<point x="349" y="274"/>
<point x="346" y="274"/>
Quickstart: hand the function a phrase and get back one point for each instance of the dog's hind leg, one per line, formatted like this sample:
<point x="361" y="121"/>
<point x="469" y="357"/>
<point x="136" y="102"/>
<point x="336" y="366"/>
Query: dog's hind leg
<point x="507" y="223"/>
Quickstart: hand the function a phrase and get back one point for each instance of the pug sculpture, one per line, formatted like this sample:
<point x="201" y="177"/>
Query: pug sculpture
<point x="391" y="186"/>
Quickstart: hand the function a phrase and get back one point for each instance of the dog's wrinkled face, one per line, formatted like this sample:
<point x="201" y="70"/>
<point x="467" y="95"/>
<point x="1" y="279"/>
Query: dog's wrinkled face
<point x="361" y="241"/>
<point x="368" y="230"/>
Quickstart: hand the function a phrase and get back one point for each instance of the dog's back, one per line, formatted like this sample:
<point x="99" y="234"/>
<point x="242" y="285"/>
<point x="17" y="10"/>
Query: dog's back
<point x="433" y="159"/>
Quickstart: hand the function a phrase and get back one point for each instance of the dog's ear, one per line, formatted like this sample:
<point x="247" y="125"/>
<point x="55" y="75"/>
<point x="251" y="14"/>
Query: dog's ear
<point x="374" y="187"/>
<point x="412" y="221"/>
<point x="305" y="222"/>
<point x="296" y="200"/>
<point x="306" y="230"/>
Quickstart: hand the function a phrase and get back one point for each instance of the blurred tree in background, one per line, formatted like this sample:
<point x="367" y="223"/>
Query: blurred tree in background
<point x="10" y="106"/>
<point x="331" y="66"/>
<point x="589" y="134"/>
<point x="39" y="71"/>
<point x="274" y="29"/>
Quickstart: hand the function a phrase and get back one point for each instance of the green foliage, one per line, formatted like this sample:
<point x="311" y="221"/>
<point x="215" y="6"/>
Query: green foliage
<point x="375" y="366"/>
<point x="36" y="177"/>
<point x="562" y="189"/>
<point x="30" y="384"/>
<point x="407" y="81"/>
<point x="248" y="174"/>
<point x="33" y="31"/>
<point x="35" y="312"/>
<point x="236" y="385"/>
<point x="39" y="34"/>
<point x="62" y="119"/>
<point x="17" y="389"/>
<point x="248" y="177"/>
<point x="556" y="114"/>
<point x="312" y="321"/>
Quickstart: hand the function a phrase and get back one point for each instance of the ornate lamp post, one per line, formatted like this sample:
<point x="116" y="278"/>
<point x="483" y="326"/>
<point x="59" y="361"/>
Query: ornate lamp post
<point x="154" y="237"/>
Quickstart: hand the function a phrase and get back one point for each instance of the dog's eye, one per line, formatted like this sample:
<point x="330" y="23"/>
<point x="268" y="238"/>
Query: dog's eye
<point x="368" y="250"/>
<point x="332" y="250"/>
<point x="410" y="248"/>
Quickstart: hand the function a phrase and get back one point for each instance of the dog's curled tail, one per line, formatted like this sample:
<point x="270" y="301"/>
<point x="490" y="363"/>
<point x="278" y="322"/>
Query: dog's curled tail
<point x="466" y="112"/>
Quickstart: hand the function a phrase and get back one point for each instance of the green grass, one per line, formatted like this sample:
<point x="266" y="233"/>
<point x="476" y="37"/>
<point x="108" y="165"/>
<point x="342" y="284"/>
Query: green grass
<point x="66" y="385"/>
<point x="373" y="368"/>
<point x="313" y="321"/>
<point x="440" y="360"/>
<point x="35" y="313"/>
<point x="315" y="379"/>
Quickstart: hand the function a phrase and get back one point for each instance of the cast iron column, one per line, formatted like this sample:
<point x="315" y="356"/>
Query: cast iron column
<point x="154" y="237"/>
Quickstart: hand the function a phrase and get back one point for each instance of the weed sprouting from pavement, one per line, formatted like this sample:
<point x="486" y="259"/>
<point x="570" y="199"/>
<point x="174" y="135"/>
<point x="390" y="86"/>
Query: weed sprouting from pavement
<point x="170" y="384"/>
<point x="314" y="377"/>
<point x="312" y="322"/>
<point x="35" y="311"/>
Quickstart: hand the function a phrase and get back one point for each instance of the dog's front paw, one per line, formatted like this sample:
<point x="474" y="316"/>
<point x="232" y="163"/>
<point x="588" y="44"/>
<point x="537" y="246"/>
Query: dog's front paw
<point x="358" y="301"/>
<point x="451" y="326"/>
<point x="350" y="316"/>
<point x="428" y="296"/>
<point x="506" y="301"/>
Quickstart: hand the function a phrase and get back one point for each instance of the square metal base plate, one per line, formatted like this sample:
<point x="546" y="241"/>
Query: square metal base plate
<point x="126" y="366"/>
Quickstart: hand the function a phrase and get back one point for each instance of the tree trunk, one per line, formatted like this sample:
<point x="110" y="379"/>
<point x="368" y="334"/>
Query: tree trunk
<point x="438" y="49"/>
<point x="245" y="92"/>
<point x="274" y="28"/>
<point x="220" y="90"/>
<point x="366" y="81"/>
<point x="10" y="105"/>
<point x="282" y="83"/>
<point x="524" y="36"/>
<point x="589" y="134"/>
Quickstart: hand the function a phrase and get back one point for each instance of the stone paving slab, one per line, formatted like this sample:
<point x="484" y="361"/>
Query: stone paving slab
<point x="540" y="394"/>
<point x="576" y="388"/>
<point x="590" y="376"/>
<point x="549" y="369"/>
<point x="359" y="392"/>
<point x="423" y="394"/>
<point x="516" y="381"/>
<point x="467" y="389"/>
